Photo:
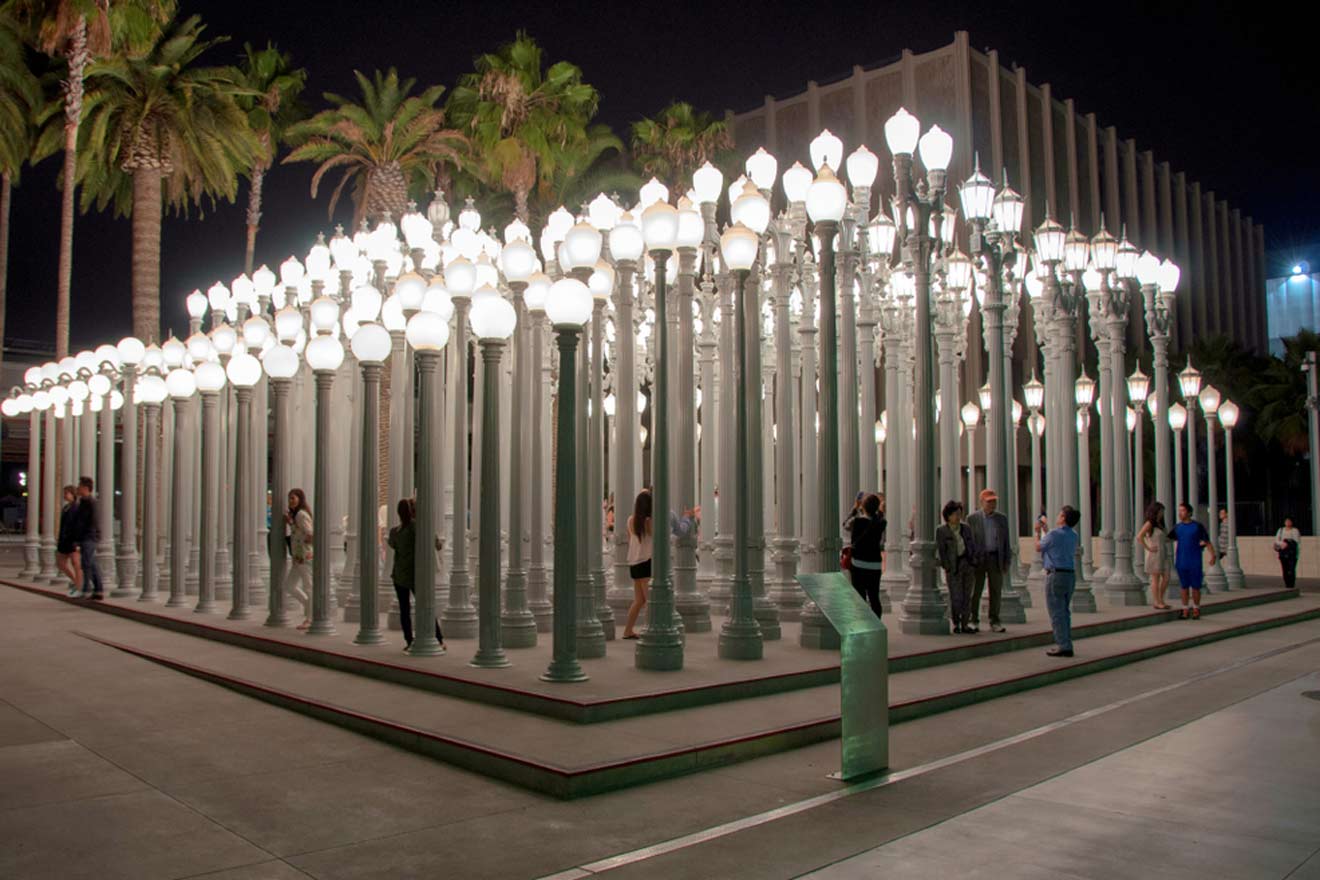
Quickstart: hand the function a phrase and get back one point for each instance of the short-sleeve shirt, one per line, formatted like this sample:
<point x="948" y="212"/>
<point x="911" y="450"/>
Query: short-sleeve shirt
<point x="1188" y="536"/>
<point x="1058" y="549"/>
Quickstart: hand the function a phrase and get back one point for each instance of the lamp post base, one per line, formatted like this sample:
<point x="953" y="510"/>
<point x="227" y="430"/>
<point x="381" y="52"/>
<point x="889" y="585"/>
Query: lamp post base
<point x="1233" y="573"/>
<point x="1122" y="589"/>
<point x="659" y="652"/>
<point x="1011" y="607"/>
<point x="1083" y="601"/>
<point x="1216" y="579"/>
<point x="741" y="641"/>
<point x="518" y="629"/>
<point x="924" y="611"/>
<point x="564" y="672"/>
<point x="817" y="632"/>
<point x="459" y="622"/>
<point x="694" y="609"/>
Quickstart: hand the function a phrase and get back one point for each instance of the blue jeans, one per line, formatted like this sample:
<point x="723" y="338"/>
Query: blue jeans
<point x="91" y="570"/>
<point x="1058" y="599"/>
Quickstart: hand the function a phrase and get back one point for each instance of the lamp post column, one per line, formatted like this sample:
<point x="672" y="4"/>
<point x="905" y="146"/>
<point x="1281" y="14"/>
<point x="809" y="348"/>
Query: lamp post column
<point x="35" y="486"/>
<point x="971" y="466"/>
<point x="849" y="452"/>
<point x="1084" y="477"/>
<point x="150" y="511"/>
<point x="180" y="517"/>
<point x="1232" y="569"/>
<point x="1157" y="325"/>
<point x="322" y="621"/>
<point x="785" y="592"/>
<point x="809" y="551"/>
<point x="1214" y="575"/>
<point x="1036" y="575"/>
<point x="105" y="483"/>
<point x="400" y="401"/>
<point x="595" y="450"/>
<point x="429" y="512"/>
<point x="490" y="653"/>
<point x="624" y="451"/>
<point x="828" y="466"/>
<point x="688" y="601"/>
<point x="564" y="666"/>
<point x="894" y="581"/>
<point x="1313" y="433"/>
<point x="712" y="402"/>
<point x="868" y="475"/>
<point x="47" y="485"/>
<point x="727" y="475"/>
<point x="1100" y="334"/>
<point x="1177" y="468"/>
<point x="350" y="575"/>
<point x="516" y="623"/>
<point x="368" y="547"/>
<point x="280" y="440"/>
<point x="242" y="500"/>
<point x="210" y="502"/>
<point x="1138" y="481"/>
<point x="537" y="602"/>
<point x="459" y="617"/>
<point x="767" y="613"/>
<point x="946" y="345"/>
<point x="126" y="563"/>
<point x="591" y="636"/>
<point x="1123" y="587"/>
<point x="1193" y="474"/>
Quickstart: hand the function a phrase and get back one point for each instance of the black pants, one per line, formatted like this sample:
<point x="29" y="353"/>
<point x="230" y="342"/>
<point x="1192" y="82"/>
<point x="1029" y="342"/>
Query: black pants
<point x="866" y="582"/>
<point x="405" y="595"/>
<point x="91" y="569"/>
<point x="1289" y="564"/>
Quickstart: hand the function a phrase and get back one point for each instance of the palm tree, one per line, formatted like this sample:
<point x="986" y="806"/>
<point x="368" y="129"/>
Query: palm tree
<point x="77" y="32"/>
<point x="20" y="95"/>
<point x="161" y="130"/>
<point x="678" y="141"/>
<point x="529" y="125"/>
<point x="272" y="107"/>
<point x="1278" y="395"/>
<point x="390" y="145"/>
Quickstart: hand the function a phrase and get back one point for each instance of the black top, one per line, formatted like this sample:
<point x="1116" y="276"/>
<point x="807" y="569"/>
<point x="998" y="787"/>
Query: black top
<point x="868" y="538"/>
<point x="85" y="527"/>
<point x="64" y="542"/>
<point x="402" y="541"/>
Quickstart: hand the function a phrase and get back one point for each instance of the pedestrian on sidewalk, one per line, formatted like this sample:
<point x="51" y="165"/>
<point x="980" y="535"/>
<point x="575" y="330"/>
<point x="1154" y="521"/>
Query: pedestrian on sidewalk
<point x="403" y="541"/>
<point x="66" y="551"/>
<point x="1190" y="537"/>
<point x="641" y="543"/>
<point x="868" y="541"/>
<point x="298" y="584"/>
<point x="955" y="547"/>
<point x="86" y="534"/>
<point x="1058" y="556"/>
<point x="1288" y="543"/>
<point x="1155" y="541"/>
<point x="994" y="556"/>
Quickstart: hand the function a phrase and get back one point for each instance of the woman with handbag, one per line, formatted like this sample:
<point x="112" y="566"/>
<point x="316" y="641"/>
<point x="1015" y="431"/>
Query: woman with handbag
<point x="867" y="558"/>
<point x="298" y="583"/>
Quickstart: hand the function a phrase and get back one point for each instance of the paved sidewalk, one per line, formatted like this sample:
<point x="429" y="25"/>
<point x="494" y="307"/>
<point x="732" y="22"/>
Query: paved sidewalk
<point x="1235" y="794"/>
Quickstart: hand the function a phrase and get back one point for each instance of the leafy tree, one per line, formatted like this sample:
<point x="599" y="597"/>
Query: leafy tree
<point x="678" y="141"/>
<point x="77" y="32"/>
<point x="162" y="130"/>
<point x="20" y="95"/>
<point x="272" y="107"/>
<point x="529" y="124"/>
<point x="390" y="145"/>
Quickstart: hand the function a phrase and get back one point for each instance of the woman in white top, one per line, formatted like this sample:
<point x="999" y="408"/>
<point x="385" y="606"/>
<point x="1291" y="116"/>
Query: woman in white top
<point x="640" y="547"/>
<point x="1287" y="541"/>
<point x="1155" y="541"/>
<point x="298" y="581"/>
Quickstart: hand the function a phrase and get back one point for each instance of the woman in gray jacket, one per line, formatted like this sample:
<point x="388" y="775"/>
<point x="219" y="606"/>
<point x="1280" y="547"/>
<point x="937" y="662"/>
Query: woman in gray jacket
<point x="956" y="549"/>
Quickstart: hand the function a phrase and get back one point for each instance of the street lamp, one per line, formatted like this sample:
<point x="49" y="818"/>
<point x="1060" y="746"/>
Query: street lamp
<point x="568" y="307"/>
<point x="210" y="378"/>
<point x="1084" y="392"/>
<point x="1177" y="421"/>
<point x="1158" y="299"/>
<point x="1033" y="394"/>
<point x="244" y="371"/>
<point x="181" y="386"/>
<point x="131" y="351"/>
<point x="324" y="354"/>
<point x="1228" y="417"/>
<point x="427" y="332"/>
<point x="152" y="392"/>
<point x="1210" y="399"/>
<point x="971" y="417"/>
<point x="371" y="345"/>
<point x="1189" y="380"/>
<point x="281" y="365"/>
<point x="740" y="635"/>
<point x="1138" y="387"/>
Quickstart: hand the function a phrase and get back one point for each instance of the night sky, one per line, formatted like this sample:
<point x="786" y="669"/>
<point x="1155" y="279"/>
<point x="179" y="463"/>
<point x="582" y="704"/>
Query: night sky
<point x="1223" y="91"/>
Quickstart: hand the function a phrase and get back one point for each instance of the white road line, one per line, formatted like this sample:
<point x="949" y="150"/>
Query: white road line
<point x="649" y="852"/>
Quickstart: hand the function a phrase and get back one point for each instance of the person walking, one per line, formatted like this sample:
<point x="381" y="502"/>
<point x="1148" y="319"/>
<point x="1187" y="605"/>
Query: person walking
<point x="868" y="541"/>
<point x="1058" y="556"/>
<point x="993" y="559"/>
<point x="66" y="551"/>
<point x="1155" y="542"/>
<point x="86" y="534"/>
<point x="1287" y="543"/>
<point x="955" y="548"/>
<point x="403" y="541"/>
<point x="641" y="542"/>
<point x="1190" y="537"/>
<point x="298" y="519"/>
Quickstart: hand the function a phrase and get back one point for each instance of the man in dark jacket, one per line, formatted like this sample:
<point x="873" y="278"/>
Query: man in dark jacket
<point x="994" y="557"/>
<point x="87" y="534"/>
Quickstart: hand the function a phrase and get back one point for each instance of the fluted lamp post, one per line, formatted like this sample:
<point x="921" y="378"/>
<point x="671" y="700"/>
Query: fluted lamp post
<point x="1084" y="392"/>
<point x="281" y="365"/>
<point x="971" y="417"/>
<point x="1033" y="394"/>
<point x="243" y="371"/>
<point x="427" y="333"/>
<point x="568" y="307"/>
<point x="1189" y="382"/>
<point x="1138" y="388"/>
<point x="1210" y="399"/>
<point x="493" y="320"/>
<point x="1177" y="421"/>
<point x="371" y="345"/>
<point x="151" y="392"/>
<point x="325" y="354"/>
<point x="181" y="386"/>
<point x="131" y="352"/>
<point x="740" y="634"/>
<point x="1228" y="417"/>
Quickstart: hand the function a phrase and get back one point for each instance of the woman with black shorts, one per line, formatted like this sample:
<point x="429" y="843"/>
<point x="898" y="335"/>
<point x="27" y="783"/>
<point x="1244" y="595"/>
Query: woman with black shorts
<point x="640" y="545"/>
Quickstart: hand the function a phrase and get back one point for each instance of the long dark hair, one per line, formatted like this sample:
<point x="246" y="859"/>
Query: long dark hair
<point x="1155" y="515"/>
<point x="641" y="512"/>
<point x="302" y="503"/>
<point x="406" y="511"/>
<point x="69" y="490"/>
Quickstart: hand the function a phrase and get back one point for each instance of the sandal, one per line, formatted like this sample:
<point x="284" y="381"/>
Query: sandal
<point x="1196" y="614"/>
<point x="632" y="636"/>
<point x="1182" y="615"/>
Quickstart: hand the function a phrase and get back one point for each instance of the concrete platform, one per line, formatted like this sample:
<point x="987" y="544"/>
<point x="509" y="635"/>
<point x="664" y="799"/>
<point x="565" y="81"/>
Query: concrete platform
<point x="566" y="760"/>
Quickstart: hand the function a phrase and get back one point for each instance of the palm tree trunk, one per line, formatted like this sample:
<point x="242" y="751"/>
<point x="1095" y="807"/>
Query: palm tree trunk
<point x="253" y="215"/>
<point x="146" y="253"/>
<point x="520" y="205"/>
<point x="73" y="100"/>
<point x="5" y="187"/>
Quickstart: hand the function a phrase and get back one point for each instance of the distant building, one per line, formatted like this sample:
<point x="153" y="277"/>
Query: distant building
<point x="1294" y="304"/>
<point x="1054" y="155"/>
